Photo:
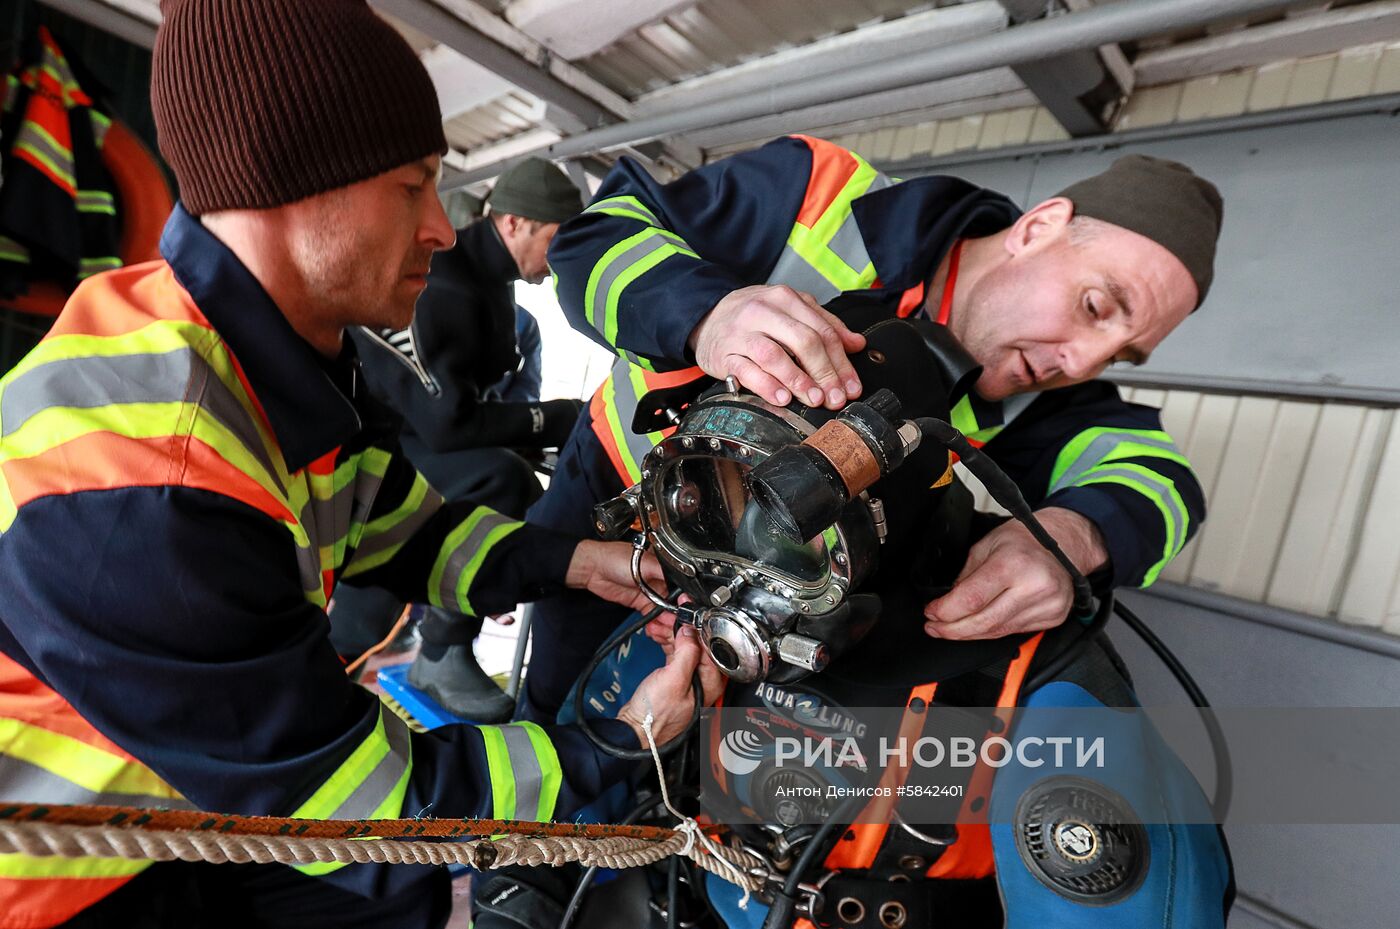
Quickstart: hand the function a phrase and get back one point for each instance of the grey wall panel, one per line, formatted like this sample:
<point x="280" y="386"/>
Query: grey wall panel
<point x="1307" y="282"/>
<point x="1330" y="877"/>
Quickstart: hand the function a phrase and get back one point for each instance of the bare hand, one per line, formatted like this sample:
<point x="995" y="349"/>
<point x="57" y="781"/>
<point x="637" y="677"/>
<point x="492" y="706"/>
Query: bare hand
<point x="662" y="631"/>
<point x="605" y="569"/>
<point x="667" y="694"/>
<point x="1012" y="584"/>
<point x="779" y="343"/>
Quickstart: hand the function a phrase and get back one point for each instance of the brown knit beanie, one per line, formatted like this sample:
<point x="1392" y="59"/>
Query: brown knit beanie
<point x="264" y="102"/>
<point x="1163" y="200"/>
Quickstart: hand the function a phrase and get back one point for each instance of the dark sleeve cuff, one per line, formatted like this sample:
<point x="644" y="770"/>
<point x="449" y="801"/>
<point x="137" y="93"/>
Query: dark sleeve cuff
<point x="529" y="564"/>
<point x="1130" y="525"/>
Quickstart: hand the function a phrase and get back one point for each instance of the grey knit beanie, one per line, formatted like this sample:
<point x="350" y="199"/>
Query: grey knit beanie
<point x="536" y="189"/>
<point x="1163" y="200"/>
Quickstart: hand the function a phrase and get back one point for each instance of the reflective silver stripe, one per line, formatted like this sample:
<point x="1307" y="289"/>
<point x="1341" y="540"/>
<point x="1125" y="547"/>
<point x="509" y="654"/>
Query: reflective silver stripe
<point x="96" y="381"/>
<point x="96" y="201"/>
<point x="309" y="566"/>
<point x="23" y="782"/>
<point x="794" y="271"/>
<point x="1097" y="450"/>
<point x="215" y="398"/>
<point x="626" y="405"/>
<point x="380" y="783"/>
<point x="619" y="266"/>
<point x="93" y="381"/>
<point x="848" y="245"/>
<point x="401" y="531"/>
<point x="525" y="767"/>
<point x="1163" y="489"/>
<point x="327" y="521"/>
<point x="880" y="182"/>
<point x="30" y="135"/>
<point x="465" y="552"/>
<point x="1014" y="406"/>
<point x="367" y="485"/>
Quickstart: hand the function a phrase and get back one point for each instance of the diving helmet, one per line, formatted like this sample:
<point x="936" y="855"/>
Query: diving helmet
<point x="762" y="520"/>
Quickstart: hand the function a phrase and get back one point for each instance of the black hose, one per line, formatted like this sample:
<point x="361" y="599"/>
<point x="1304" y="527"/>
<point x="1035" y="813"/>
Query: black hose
<point x="602" y="744"/>
<point x="1224" y="769"/>
<point x="673" y="886"/>
<point x="1005" y="492"/>
<point x="1072" y="651"/>
<point x="783" y="910"/>
<point x="586" y="880"/>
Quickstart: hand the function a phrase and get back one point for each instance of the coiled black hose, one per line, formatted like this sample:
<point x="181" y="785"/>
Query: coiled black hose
<point x="602" y="744"/>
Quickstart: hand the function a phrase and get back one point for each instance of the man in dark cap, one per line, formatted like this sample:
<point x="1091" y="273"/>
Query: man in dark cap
<point x="189" y="470"/>
<point x="440" y="374"/>
<point x="766" y="266"/>
<point x="747" y="267"/>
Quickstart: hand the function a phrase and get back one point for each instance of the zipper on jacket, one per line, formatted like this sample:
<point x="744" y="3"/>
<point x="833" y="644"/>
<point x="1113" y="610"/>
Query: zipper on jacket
<point x="424" y="378"/>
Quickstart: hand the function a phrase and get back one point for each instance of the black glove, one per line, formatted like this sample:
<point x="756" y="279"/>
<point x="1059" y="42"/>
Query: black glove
<point x="554" y="420"/>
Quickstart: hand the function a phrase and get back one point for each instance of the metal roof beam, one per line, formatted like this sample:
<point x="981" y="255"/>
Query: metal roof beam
<point x="889" y="41"/>
<point x="122" y="23"/>
<point x="1116" y="22"/>
<point x="1076" y="87"/>
<point x="1317" y="33"/>
<point x="957" y="96"/>
<point x="491" y="42"/>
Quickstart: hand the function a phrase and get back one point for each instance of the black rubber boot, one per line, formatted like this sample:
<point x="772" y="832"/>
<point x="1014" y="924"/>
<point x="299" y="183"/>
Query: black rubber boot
<point x="450" y="675"/>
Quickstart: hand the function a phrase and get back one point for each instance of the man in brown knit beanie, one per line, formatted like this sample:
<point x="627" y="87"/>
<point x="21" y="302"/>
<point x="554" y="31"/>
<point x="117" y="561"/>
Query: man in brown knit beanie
<point x="190" y="467"/>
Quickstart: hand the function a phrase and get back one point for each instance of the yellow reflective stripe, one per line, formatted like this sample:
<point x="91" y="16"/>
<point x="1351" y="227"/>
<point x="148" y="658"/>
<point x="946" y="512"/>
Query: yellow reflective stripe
<point x="413" y="505"/>
<point x="964" y="420"/>
<point x="499" y="770"/>
<point x="33" y="151"/>
<point x="1110" y="443"/>
<point x="87" y="267"/>
<point x="97" y="201"/>
<point x="47" y="138"/>
<point x="1163" y="494"/>
<point x="624" y="206"/>
<point x="50" y="867"/>
<point x="328" y="799"/>
<point x="551" y="770"/>
<point x="10" y="250"/>
<point x="53" y="426"/>
<point x="8" y="510"/>
<point x="633" y="271"/>
<point x="91" y="768"/>
<point x="813" y="244"/>
<point x="100" y="126"/>
<point x="389" y="807"/>
<point x="634" y="471"/>
<point x="620" y="266"/>
<point x="463" y="553"/>
<point x="809" y="244"/>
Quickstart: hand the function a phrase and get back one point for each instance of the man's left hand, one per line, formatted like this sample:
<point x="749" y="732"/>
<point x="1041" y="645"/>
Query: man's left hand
<point x="605" y="569"/>
<point x="1012" y="584"/>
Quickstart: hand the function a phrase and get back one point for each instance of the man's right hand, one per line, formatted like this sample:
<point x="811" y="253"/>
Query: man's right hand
<point x="667" y="693"/>
<point x="779" y="343"/>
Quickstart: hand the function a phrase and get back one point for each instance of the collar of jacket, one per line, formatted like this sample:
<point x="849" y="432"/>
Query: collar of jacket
<point x="908" y="227"/>
<point x="309" y="399"/>
<point x="481" y="245"/>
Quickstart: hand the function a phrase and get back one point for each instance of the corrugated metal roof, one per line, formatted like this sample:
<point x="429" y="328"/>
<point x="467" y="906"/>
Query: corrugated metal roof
<point x="713" y="35"/>
<point x="716" y="34"/>
<point x="502" y="118"/>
